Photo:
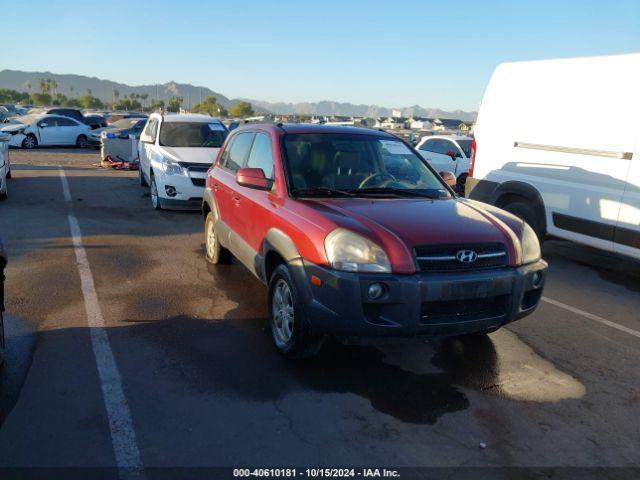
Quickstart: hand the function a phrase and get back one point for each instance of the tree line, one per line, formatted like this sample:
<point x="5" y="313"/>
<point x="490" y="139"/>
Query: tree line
<point x="49" y="95"/>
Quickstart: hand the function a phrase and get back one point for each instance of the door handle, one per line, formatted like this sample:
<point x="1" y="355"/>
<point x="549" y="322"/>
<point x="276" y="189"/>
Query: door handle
<point x="216" y="187"/>
<point x="236" y="199"/>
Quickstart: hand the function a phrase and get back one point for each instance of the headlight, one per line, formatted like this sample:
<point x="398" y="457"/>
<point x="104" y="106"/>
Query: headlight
<point x="530" y="245"/>
<point x="171" y="168"/>
<point x="351" y="252"/>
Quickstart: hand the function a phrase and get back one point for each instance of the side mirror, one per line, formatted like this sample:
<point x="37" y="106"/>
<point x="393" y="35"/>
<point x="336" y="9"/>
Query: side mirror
<point x="449" y="178"/>
<point x="452" y="154"/>
<point x="253" y="178"/>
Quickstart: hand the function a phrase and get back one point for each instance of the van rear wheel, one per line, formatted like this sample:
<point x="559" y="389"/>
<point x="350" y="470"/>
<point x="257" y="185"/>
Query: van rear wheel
<point x="526" y="212"/>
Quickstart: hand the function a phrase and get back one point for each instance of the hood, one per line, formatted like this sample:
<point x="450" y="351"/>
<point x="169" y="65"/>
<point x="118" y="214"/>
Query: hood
<point x="400" y="225"/>
<point x="14" y="128"/>
<point x="202" y="155"/>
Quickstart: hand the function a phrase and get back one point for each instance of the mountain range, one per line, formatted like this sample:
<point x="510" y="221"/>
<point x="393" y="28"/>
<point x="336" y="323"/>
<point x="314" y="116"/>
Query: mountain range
<point x="75" y="85"/>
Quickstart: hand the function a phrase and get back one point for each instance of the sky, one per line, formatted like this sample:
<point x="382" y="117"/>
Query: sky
<point x="391" y="53"/>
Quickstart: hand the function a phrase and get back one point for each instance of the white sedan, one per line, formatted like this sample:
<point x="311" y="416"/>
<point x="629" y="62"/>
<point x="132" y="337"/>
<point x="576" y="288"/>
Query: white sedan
<point x="30" y="131"/>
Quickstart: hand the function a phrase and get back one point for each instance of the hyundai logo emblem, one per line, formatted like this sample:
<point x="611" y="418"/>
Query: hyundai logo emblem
<point x="466" y="256"/>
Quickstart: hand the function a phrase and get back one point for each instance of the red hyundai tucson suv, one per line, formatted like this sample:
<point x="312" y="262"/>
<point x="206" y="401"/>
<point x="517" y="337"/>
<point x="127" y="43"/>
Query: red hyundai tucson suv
<point x="358" y="237"/>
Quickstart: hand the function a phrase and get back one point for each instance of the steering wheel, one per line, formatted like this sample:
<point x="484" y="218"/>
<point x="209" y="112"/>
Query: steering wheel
<point x="365" y="183"/>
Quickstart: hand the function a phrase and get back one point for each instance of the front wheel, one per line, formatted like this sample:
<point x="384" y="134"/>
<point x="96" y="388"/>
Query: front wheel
<point x="30" y="141"/>
<point x="155" y="199"/>
<point x="289" y="327"/>
<point x="82" y="142"/>
<point x="214" y="252"/>
<point x="143" y="181"/>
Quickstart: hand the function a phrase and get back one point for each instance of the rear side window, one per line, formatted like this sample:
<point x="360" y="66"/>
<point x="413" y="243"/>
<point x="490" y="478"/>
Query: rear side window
<point x="261" y="155"/>
<point x="238" y="152"/>
<point x="66" y="122"/>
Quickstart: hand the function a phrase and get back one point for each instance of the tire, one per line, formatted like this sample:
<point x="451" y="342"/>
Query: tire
<point x="8" y="173"/>
<point x="462" y="181"/>
<point x="288" y="324"/>
<point x="214" y="253"/>
<point x="143" y="181"/>
<point x="526" y="212"/>
<point x="5" y="193"/>
<point x="155" y="198"/>
<point x="30" y="141"/>
<point x="82" y="142"/>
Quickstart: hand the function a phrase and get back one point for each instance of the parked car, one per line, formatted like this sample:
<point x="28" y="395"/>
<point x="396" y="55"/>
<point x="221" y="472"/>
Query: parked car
<point x="5" y="114"/>
<point x="66" y="112"/>
<point x="175" y="151"/>
<point x="357" y="236"/>
<point x="33" y="130"/>
<point x="572" y="179"/>
<point x="449" y="153"/>
<point x="95" y="121"/>
<point x="3" y="264"/>
<point x="121" y="129"/>
<point x="5" y="166"/>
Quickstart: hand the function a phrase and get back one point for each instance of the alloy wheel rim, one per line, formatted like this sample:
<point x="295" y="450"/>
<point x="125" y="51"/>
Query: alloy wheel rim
<point x="283" y="313"/>
<point x="154" y="193"/>
<point x="211" y="239"/>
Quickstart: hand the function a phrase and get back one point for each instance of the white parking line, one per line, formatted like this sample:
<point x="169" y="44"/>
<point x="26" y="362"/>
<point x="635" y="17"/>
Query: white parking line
<point x="123" y="437"/>
<point x="593" y="317"/>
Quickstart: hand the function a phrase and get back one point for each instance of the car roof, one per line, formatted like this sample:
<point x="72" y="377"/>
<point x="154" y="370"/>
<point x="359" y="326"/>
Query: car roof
<point x="188" y="117"/>
<point x="450" y="137"/>
<point x="295" y="128"/>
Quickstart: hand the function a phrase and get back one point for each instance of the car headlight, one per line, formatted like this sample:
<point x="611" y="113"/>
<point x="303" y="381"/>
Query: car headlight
<point x="171" y="168"/>
<point x="351" y="252"/>
<point x="530" y="245"/>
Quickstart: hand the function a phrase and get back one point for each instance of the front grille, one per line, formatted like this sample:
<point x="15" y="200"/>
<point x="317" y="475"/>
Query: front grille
<point x="199" y="182"/>
<point x="195" y="167"/>
<point x="451" y="311"/>
<point x="442" y="258"/>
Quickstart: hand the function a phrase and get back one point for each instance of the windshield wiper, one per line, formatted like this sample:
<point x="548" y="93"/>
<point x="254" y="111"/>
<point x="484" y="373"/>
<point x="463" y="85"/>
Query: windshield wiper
<point x="399" y="192"/>
<point x="321" y="191"/>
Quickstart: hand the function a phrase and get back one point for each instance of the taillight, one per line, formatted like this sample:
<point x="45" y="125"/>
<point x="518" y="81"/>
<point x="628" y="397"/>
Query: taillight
<point x="473" y="156"/>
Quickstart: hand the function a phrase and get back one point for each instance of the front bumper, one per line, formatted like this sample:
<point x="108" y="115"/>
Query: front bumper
<point x="179" y="192"/>
<point x="430" y="304"/>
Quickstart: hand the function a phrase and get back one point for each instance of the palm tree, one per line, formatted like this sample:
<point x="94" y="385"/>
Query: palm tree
<point x="48" y="85"/>
<point x="43" y="86"/>
<point x="116" y="95"/>
<point x="29" y="86"/>
<point x="89" y="92"/>
<point x="144" y="97"/>
<point x="71" y="89"/>
<point x="54" y="84"/>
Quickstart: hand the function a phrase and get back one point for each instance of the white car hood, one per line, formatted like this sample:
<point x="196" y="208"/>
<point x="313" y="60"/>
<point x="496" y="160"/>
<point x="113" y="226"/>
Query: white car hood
<point x="15" y="127"/>
<point x="202" y="155"/>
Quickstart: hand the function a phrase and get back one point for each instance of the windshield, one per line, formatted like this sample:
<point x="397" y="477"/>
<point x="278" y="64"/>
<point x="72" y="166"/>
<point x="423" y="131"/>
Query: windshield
<point x="183" y="134"/>
<point x="357" y="164"/>
<point x="465" y="145"/>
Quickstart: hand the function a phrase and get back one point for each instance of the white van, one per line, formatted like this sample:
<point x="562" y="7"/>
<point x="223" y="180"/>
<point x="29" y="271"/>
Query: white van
<point x="557" y="142"/>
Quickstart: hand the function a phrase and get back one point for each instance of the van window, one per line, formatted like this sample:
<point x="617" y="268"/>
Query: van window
<point x="261" y="155"/>
<point x="238" y="152"/>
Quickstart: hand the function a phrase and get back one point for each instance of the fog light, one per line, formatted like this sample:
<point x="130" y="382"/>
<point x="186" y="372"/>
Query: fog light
<point x="537" y="279"/>
<point x="171" y="190"/>
<point x="375" y="291"/>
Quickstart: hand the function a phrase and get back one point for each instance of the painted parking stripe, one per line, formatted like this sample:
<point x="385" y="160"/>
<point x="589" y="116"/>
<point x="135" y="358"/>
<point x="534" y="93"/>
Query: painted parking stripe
<point x="123" y="437"/>
<point x="591" y="316"/>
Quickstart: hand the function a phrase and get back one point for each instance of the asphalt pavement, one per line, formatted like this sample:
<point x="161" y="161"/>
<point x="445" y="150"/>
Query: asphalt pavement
<point x="181" y="371"/>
